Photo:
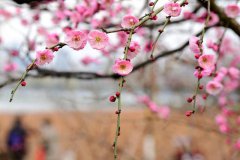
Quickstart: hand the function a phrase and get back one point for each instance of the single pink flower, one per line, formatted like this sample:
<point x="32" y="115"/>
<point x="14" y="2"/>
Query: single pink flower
<point x="128" y="21"/>
<point x="88" y="60"/>
<point x="222" y="101"/>
<point x="214" y="19"/>
<point x="188" y="15"/>
<point x="76" y="39"/>
<point x="224" y="128"/>
<point x="232" y="10"/>
<point x="237" y="145"/>
<point x="14" y="53"/>
<point x="220" y="76"/>
<point x="231" y="85"/>
<point x="194" y="44"/>
<point x="148" y="46"/>
<point x="98" y="39"/>
<point x="133" y="50"/>
<point x="10" y="67"/>
<point x="214" y="87"/>
<point x="163" y="112"/>
<point x="207" y="61"/>
<point x="172" y="9"/>
<point x="51" y="40"/>
<point x="212" y="45"/>
<point x="220" y="119"/>
<point x="122" y="67"/>
<point x="43" y="57"/>
<point x="234" y="73"/>
<point x="153" y="106"/>
<point x="122" y="37"/>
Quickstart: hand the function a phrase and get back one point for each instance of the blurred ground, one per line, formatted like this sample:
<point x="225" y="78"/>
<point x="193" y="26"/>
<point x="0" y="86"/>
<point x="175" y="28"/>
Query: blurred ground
<point x="90" y="135"/>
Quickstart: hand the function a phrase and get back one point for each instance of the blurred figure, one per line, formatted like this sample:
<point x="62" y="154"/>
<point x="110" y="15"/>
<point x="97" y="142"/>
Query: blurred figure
<point x="16" y="140"/>
<point x="50" y="147"/>
<point x="69" y="155"/>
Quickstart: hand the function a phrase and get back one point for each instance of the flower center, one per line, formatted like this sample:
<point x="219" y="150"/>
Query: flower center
<point x="76" y="38"/>
<point x="98" y="39"/>
<point x="204" y="59"/>
<point x="43" y="57"/>
<point x="122" y="67"/>
<point x="131" y="22"/>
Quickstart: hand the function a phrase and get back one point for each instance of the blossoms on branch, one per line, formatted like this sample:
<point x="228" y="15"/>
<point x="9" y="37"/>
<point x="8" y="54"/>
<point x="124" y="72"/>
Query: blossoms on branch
<point x="214" y="19"/>
<point x="194" y="44"/>
<point x="76" y="39"/>
<point x="212" y="45"/>
<point x="172" y="9"/>
<point x="214" y="87"/>
<point x="207" y="61"/>
<point x="232" y="10"/>
<point x="122" y="67"/>
<point x="133" y="50"/>
<point x="128" y="21"/>
<point x="98" y="39"/>
<point x="43" y="57"/>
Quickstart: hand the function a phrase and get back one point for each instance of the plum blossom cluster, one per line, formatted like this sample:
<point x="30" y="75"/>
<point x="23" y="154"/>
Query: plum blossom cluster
<point x="75" y="39"/>
<point x="78" y="39"/>
<point x="227" y="121"/>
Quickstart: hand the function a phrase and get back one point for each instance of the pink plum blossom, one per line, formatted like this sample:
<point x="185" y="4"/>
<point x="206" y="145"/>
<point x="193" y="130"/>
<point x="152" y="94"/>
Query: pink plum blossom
<point x="122" y="67"/>
<point x="14" y="53"/>
<point x="10" y="67"/>
<point x="194" y="44"/>
<point x="51" y="40"/>
<point x="128" y="21"/>
<point x="207" y="61"/>
<point x="231" y="85"/>
<point x="232" y="10"/>
<point x="214" y="87"/>
<point x="212" y="45"/>
<point x="220" y="76"/>
<point x="237" y="145"/>
<point x="222" y="100"/>
<point x="188" y="15"/>
<point x="122" y="37"/>
<point x="214" y="19"/>
<point x="220" y="119"/>
<point x="224" y="128"/>
<point x="234" y="73"/>
<point x="148" y="46"/>
<point x="76" y="39"/>
<point x="43" y="57"/>
<point x="88" y="60"/>
<point x="172" y="9"/>
<point x="163" y="112"/>
<point x="133" y="50"/>
<point x="98" y="39"/>
<point x="153" y="106"/>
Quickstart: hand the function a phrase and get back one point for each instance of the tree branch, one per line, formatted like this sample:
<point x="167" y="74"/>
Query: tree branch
<point x="224" y="19"/>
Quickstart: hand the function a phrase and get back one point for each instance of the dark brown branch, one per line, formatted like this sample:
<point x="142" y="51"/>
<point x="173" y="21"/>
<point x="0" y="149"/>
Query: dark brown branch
<point x="224" y="19"/>
<point x="92" y="75"/>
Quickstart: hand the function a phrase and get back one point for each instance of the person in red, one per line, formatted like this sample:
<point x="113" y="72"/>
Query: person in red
<point x="40" y="153"/>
